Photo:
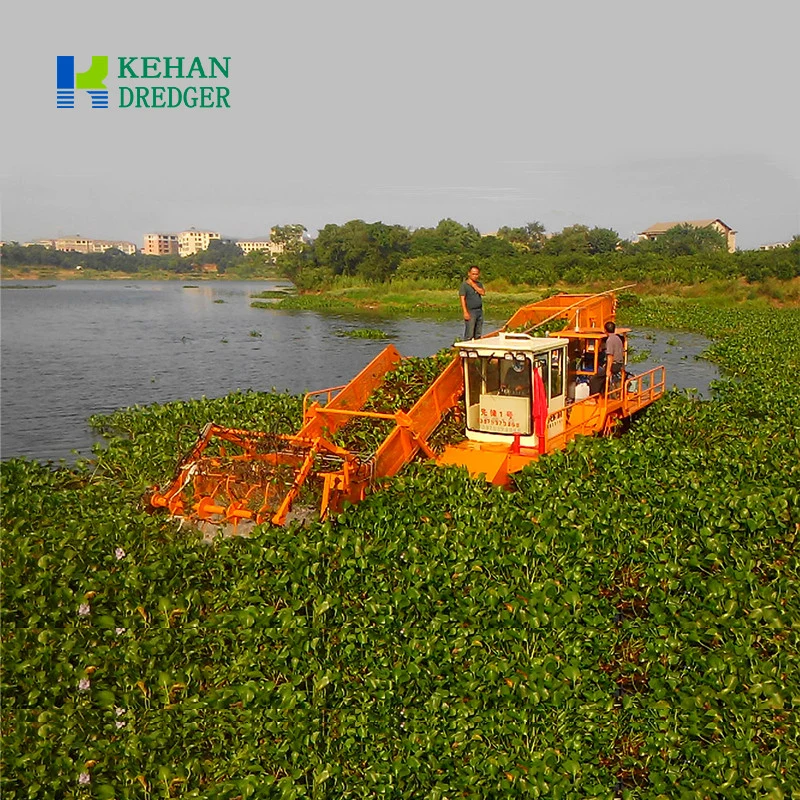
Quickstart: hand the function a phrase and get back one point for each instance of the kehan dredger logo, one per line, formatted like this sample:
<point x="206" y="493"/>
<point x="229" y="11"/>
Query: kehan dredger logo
<point x="147" y="82"/>
<point x="91" y="81"/>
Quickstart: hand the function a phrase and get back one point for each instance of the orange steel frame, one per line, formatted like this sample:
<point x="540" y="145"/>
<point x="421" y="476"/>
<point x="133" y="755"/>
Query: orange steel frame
<point x="208" y="479"/>
<point x="597" y="413"/>
<point x="229" y="489"/>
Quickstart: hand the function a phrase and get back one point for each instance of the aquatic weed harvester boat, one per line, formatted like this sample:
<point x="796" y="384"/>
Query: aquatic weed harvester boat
<point x="518" y="395"/>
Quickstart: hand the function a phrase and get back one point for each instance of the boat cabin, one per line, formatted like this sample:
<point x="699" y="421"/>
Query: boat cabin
<point x="501" y="373"/>
<point x="510" y="380"/>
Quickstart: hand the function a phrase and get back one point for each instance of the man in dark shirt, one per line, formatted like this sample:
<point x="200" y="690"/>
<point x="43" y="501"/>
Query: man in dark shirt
<point x="471" y="294"/>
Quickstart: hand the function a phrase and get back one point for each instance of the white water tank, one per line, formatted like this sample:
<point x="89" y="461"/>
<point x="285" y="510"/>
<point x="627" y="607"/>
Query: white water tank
<point x="581" y="391"/>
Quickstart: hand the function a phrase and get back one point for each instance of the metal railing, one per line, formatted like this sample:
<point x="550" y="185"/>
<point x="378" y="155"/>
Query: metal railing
<point x="641" y="390"/>
<point x="586" y="417"/>
<point x="310" y="397"/>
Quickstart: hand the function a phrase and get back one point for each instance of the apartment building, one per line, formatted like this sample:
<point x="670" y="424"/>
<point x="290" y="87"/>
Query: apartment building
<point x="80" y="244"/>
<point x="160" y="244"/>
<point x="264" y="245"/>
<point x="251" y="245"/>
<point x="193" y="241"/>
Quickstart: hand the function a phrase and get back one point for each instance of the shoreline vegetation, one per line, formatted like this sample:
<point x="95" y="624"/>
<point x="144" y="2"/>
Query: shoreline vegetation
<point x="390" y="270"/>
<point x="435" y="299"/>
<point x="374" y="253"/>
<point x="429" y="299"/>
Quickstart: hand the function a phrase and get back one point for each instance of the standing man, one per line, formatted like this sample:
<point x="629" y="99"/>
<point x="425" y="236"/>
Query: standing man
<point x="471" y="294"/>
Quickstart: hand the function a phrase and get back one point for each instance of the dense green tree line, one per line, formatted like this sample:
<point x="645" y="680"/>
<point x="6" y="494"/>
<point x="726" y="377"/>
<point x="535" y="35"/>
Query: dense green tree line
<point x="378" y="252"/>
<point x="16" y="255"/>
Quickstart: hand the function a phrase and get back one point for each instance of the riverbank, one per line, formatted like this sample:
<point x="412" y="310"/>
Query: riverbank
<point x="424" y="299"/>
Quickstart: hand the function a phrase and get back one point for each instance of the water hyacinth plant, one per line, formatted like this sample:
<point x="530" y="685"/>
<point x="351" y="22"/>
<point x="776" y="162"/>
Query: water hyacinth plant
<point x="364" y="333"/>
<point x="621" y="625"/>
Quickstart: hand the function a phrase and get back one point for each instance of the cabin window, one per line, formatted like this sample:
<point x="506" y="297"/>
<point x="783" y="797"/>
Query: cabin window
<point x="499" y="394"/>
<point x="556" y="373"/>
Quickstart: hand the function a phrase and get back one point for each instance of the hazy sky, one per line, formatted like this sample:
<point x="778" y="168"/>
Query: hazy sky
<point x="619" y="113"/>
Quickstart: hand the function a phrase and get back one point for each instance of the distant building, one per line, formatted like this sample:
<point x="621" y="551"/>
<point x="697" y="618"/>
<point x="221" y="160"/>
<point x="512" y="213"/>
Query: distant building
<point x="660" y="228"/>
<point x="263" y="245"/>
<point x="775" y="246"/>
<point x="80" y="244"/>
<point x="251" y="245"/>
<point x="192" y="241"/>
<point x="74" y="244"/>
<point x="160" y="244"/>
<point x="129" y="248"/>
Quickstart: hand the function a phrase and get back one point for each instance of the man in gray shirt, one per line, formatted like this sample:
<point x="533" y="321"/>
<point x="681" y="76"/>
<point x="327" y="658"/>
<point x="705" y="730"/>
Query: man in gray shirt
<point x="471" y="294"/>
<point x="615" y="352"/>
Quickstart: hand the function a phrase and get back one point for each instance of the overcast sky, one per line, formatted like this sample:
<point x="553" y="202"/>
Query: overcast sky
<point x="619" y="114"/>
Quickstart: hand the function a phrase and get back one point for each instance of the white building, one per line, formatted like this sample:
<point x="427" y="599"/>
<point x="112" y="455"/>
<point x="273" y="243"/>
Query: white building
<point x="193" y="241"/>
<point x="251" y="245"/>
<point x="80" y="244"/>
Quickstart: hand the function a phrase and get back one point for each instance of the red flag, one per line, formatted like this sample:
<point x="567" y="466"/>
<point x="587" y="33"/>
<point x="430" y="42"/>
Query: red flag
<point x="539" y="407"/>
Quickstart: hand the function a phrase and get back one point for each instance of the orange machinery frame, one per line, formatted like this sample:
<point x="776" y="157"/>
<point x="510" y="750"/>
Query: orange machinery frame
<point x="243" y="486"/>
<point x="260" y="498"/>
<point x="584" y="316"/>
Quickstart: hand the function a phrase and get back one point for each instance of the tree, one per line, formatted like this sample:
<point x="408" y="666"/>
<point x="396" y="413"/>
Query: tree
<point x="370" y="250"/>
<point x="288" y="235"/>
<point x="342" y="247"/>
<point x="222" y="252"/>
<point x="572" y="239"/>
<point x="687" y="240"/>
<point x="448" y="236"/>
<point x="602" y="240"/>
<point x="295" y="262"/>
<point x="529" y="237"/>
<point x="495" y="247"/>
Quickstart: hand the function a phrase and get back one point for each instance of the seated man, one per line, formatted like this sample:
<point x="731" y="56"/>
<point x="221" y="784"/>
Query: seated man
<point x="517" y="380"/>
<point x="615" y="354"/>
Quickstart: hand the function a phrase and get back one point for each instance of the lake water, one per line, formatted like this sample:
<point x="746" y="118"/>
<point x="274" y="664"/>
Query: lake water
<point x="71" y="349"/>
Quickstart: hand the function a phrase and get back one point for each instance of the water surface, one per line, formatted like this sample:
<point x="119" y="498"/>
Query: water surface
<point x="71" y="349"/>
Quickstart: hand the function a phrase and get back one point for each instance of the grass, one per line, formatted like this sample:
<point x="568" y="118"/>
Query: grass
<point x="272" y="294"/>
<point x="401" y="299"/>
<point x="430" y="299"/>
